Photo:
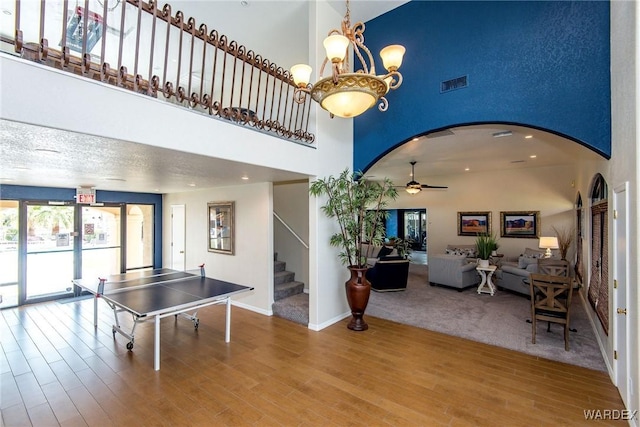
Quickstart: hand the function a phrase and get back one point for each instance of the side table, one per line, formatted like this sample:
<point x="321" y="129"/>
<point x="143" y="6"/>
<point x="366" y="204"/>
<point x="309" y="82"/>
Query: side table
<point x="486" y="273"/>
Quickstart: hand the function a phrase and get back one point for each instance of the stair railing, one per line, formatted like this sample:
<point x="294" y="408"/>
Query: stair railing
<point x="155" y="52"/>
<point x="291" y="230"/>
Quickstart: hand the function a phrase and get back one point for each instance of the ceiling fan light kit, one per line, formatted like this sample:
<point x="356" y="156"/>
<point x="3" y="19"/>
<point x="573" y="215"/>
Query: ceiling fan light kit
<point x="414" y="187"/>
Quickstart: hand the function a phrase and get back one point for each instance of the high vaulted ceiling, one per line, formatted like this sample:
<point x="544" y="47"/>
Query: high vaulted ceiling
<point x="49" y="157"/>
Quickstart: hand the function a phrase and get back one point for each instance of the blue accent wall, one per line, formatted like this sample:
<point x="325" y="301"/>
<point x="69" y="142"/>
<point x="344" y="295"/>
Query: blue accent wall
<point x="19" y="192"/>
<point x="542" y="64"/>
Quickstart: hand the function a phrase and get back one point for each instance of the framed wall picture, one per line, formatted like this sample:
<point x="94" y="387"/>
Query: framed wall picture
<point x="520" y="224"/>
<point x="472" y="223"/>
<point x="221" y="227"/>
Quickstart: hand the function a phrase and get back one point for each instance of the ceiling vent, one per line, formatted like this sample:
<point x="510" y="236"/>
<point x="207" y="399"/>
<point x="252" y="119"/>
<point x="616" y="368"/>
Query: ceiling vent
<point x="453" y="84"/>
<point x="440" y="133"/>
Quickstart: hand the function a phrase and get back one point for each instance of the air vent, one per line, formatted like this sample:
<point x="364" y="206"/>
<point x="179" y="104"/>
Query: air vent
<point x="438" y="134"/>
<point x="453" y="84"/>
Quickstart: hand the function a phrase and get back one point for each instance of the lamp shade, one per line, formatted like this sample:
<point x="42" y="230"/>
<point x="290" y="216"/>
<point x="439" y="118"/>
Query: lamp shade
<point x="301" y="74"/>
<point x="392" y="56"/>
<point x="336" y="47"/>
<point x="348" y="104"/>
<point x="548" y="243"/>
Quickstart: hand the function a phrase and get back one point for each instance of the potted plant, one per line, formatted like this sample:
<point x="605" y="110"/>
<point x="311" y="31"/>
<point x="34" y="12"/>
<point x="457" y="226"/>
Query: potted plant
<point x="485" y="244"/>
<point x="358" y="207"/>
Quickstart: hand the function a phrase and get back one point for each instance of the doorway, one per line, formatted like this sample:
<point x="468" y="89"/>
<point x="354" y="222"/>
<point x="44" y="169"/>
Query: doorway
<point x="49" y="263"/>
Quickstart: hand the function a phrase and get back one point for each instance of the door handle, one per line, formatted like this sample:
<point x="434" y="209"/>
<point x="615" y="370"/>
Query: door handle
<point x="181" y="252"/>
<point x="622" y="311"/>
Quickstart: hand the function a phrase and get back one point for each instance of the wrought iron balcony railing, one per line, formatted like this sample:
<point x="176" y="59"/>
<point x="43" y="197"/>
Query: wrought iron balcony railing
<point x="136" y="45"/>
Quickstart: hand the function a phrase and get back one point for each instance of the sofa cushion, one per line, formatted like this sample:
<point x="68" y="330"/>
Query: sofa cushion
<point x="533" y="253"/>
<point x="468" y="251"/>
<point x="525" y="261"/>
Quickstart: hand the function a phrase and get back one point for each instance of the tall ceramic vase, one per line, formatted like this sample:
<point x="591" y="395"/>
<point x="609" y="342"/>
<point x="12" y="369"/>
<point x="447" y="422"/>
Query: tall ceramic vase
<point x="358" y="289"/>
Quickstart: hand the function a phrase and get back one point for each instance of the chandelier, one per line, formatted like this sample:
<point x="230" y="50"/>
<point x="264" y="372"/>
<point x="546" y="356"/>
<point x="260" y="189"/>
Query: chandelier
<point x="344" y="93"/>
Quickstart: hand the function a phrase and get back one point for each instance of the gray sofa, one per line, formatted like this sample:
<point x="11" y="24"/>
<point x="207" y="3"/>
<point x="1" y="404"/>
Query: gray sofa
<point x="513" y="273"/>
<point x="454" y="271"/>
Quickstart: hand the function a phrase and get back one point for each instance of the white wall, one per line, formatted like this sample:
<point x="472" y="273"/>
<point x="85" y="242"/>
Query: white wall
<point x="252" y="263"/>
<point x="625" y="133"/>
<point x="327" y="299"/>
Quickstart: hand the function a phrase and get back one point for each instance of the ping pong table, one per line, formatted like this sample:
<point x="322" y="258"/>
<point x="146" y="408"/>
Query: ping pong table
<point x="159" y="293"/>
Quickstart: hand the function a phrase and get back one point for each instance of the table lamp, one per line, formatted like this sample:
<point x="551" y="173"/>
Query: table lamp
<point x="548" y="243"/>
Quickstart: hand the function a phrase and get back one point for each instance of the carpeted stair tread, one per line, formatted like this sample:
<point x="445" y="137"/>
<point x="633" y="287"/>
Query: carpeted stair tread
<point x="283" y="277"/>
<point x="279" y="266"/>
<point x="294" y="308"/>
<point x="287" y="289"/>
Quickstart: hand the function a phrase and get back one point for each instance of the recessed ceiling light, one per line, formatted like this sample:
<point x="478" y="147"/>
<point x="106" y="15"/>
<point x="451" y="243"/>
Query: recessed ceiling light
<point x="529" y="136"/>
<point x="533" y="156"/>
<point x="192" y="184"/>
<point x="467" y="169"/>
<point x="245" y="177"/>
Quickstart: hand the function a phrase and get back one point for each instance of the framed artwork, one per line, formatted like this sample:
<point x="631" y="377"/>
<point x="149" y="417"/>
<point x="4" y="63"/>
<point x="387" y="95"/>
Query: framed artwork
<point x="220" y="217"/>
<point x="472" y="223"/>
<point x="520" y="224"/>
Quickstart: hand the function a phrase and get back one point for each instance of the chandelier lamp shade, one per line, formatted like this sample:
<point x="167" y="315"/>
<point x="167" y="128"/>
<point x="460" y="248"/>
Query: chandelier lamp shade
<point x="345" y="93"/>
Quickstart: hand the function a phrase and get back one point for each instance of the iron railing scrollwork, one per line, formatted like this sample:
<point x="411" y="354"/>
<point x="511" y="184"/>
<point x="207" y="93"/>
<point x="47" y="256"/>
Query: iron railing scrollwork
<point x="183" y="63"/>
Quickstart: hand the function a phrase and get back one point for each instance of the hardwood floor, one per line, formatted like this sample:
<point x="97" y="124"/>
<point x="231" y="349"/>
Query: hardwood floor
<point x="57" y="370"/>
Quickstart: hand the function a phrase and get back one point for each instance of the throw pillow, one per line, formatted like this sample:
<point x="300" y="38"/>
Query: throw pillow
<point x="524" y="261"/>
<point x="384" y="251"/>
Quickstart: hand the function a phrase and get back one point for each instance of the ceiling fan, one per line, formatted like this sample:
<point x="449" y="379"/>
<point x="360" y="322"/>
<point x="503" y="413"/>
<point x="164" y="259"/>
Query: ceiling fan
<point x="414" y="187"/>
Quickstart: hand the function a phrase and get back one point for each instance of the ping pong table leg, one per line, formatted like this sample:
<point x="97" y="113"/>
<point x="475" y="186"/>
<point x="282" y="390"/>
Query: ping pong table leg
<point x="156" y="346"/>
<point x="95" y="311"/>
<point x="227" y="333"/>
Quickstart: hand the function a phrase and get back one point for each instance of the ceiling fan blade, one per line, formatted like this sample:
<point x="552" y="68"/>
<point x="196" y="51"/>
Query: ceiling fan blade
<point x="432" y="186"/>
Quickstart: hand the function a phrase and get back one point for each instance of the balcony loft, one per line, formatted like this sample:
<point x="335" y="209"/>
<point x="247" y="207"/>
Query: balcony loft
<point x="152" y="51"/>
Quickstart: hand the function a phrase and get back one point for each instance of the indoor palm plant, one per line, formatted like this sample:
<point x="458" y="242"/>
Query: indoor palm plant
<point x="358" y="206"/>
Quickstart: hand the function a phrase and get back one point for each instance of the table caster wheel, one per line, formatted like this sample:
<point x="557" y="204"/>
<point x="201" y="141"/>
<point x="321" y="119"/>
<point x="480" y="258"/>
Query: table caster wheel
<point x="113" y="331"/>
<point x="129" y="346"/>
<point x="196" y="323"/>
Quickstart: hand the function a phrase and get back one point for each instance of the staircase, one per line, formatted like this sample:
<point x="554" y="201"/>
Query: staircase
<point x="290" y="301"/>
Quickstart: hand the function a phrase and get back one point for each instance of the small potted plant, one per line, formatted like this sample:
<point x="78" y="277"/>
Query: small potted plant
<point x="485" y="244"/>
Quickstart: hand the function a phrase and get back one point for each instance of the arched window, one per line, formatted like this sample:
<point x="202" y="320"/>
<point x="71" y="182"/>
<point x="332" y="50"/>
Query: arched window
<point x="598" y="292"/>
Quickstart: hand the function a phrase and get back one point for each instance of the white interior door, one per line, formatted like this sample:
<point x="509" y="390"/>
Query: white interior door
<point x="620" y="276"/>
<point x="178" y="224"/>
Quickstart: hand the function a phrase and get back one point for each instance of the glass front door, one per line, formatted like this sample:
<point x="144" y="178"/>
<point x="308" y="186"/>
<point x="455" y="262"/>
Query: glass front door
<point x="50" y="250"/>
<point x="101" y="248"/>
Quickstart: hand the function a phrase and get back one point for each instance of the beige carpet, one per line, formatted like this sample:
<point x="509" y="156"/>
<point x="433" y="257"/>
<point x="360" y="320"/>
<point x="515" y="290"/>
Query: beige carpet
<point x="499" y="320"/>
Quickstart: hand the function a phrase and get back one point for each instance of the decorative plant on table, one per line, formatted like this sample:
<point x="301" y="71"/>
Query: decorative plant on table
<point x="485" y="244"/>
<point x="359" y="209"/>
<point x="565" y="238"/>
